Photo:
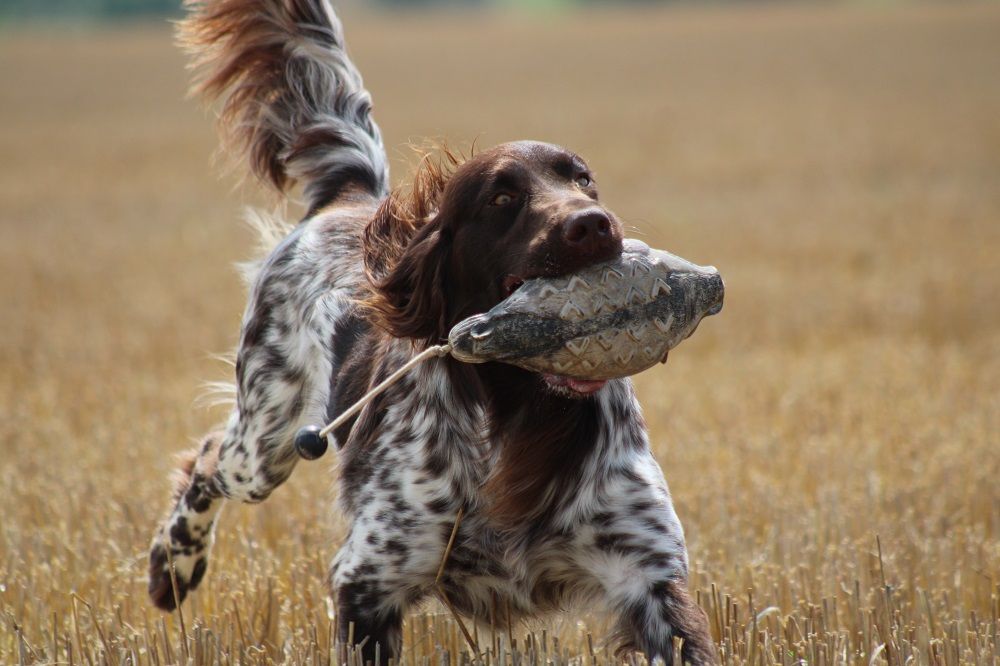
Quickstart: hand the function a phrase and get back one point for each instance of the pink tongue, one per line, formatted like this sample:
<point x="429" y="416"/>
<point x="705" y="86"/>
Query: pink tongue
<point x="585" y="385"/>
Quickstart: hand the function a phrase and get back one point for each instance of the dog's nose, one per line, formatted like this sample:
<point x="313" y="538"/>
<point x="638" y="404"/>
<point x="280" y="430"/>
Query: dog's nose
<point x="589" y="231"/>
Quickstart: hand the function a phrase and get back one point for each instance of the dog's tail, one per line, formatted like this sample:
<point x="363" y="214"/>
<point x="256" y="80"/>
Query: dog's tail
<point x="293" y="102"/>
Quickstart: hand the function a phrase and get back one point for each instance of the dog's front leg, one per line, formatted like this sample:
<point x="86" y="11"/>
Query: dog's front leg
<point x="652" y="617"/>
<point x="652" y="607"/>
<point x="365" y="619"/>
<point x="383" y="567"/>
<point x="397" y="540"/>
<point x="184" y="538"/>
<point x="246" y="462"/>
<point x="634" y="549"/>
<point x="283" y="373"/>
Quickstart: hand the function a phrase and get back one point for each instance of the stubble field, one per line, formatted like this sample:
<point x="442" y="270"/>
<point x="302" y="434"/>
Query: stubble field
<point x="832" y="439"/>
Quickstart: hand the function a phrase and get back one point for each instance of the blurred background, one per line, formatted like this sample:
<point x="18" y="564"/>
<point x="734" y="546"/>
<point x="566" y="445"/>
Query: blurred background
<point x="138" y="9"/>
<point x="831" y="439"/>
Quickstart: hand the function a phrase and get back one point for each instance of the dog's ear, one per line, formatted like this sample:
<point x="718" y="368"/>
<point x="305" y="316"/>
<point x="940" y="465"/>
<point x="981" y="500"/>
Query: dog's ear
<point x="409" y="298"/>
<point x="406" y="249"/>
<point x="387" y="235"/>
<point x="403" y="212"/>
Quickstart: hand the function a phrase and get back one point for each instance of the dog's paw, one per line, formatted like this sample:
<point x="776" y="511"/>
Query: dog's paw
<point x="189" y="569"/>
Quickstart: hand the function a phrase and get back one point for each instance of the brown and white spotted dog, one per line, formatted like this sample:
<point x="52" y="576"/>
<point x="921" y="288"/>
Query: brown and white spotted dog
<point x="563" y="501"/>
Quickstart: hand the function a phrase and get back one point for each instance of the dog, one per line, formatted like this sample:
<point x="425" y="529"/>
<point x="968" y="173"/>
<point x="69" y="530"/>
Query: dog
<point x="561" y="499"/>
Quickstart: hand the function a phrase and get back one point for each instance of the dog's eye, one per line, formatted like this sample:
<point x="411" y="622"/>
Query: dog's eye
<point x="501" y="199"/>
<point x="583" y="180"/>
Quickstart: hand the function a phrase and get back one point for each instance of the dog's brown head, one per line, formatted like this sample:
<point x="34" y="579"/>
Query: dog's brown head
<point x="461" y="243"/>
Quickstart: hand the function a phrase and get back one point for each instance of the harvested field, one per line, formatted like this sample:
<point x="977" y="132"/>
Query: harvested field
<point x="832" y="439"/>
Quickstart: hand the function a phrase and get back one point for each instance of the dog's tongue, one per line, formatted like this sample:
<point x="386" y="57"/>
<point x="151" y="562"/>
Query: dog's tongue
<point x="583" y="386"/>
<point x="587" y="386"/>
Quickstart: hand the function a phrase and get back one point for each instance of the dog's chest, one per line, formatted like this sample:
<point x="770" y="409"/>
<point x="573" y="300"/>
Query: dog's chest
<point x="485" y="571"/>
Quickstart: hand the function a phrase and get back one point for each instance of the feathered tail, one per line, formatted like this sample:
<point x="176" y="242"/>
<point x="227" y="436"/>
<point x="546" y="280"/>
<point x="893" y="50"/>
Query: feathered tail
<point x="293" y="102"/>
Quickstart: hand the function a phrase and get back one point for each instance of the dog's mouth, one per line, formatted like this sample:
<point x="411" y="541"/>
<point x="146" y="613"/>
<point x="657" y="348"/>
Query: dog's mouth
<point x="564" y="386"/>
<point x="573" y="388"/>
<point x="510" y="284"/>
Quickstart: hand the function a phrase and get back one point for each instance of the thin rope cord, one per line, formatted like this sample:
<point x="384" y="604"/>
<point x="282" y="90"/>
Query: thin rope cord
<point x="436" y="350"/>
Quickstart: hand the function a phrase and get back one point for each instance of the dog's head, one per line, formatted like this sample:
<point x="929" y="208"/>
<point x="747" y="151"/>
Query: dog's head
<point x="462" y="242"/>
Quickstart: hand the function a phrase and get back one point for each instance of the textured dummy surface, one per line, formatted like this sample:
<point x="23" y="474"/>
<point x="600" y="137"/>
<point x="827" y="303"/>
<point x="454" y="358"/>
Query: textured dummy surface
<point x="610" y="320"/>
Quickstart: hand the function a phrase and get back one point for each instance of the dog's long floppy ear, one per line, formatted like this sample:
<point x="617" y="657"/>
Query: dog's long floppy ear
<point x="387" y="235"/>
<point x="406" y="249"/>
<point x="410" y="282"/>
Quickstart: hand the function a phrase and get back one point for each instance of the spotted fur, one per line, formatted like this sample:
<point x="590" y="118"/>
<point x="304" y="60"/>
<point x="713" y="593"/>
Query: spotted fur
<point x="563" y="500"/>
